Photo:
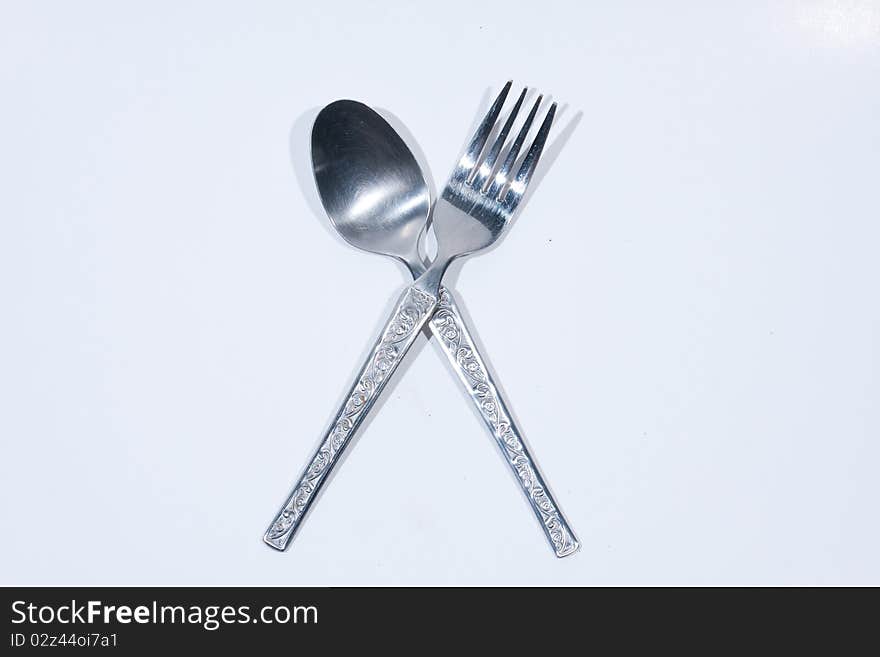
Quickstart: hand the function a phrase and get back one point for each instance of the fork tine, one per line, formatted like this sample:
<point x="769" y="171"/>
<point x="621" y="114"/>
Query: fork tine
<point x="485" y="169"/>
<point x="500" y="179"/>
<point x="524" y="175"/>
<point x="472" y="153"/>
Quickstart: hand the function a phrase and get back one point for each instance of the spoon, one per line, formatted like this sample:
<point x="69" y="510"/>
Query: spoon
<point x="376" y="196"/>
<point x="370" y="183"/>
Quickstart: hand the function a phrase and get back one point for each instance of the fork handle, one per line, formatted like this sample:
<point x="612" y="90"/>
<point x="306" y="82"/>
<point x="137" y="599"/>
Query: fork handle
<point x="452" y="334"/>
<point x="412" y="311"/>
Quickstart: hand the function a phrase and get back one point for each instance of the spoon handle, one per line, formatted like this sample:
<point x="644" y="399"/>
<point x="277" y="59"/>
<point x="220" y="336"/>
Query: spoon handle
<point x="453" y="335"/>
<point x="412" y="312"/>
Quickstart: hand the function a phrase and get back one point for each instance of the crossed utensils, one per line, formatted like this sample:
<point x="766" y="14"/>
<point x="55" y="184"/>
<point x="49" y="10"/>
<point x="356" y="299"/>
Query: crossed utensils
<point x="376" y="196"/>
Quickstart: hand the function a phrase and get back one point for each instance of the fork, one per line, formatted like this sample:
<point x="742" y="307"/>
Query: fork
<point x="473" y="211"/>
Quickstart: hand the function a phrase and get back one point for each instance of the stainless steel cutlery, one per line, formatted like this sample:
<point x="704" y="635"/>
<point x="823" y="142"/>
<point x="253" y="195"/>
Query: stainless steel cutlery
<point x="377" y="199"/>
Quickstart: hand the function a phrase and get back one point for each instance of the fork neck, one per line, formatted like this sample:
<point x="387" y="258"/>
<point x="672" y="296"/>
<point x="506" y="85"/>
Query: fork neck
<point x="429" y="282"/>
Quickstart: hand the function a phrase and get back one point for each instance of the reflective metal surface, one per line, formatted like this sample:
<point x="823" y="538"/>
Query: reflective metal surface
<point x="376" y="196"/>
<point x="479" y="200"/>
<point x="370" y="184"/>
<point x="357" y="154"/>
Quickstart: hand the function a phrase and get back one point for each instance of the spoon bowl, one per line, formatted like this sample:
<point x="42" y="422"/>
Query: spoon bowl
<point x="370" y="184"/>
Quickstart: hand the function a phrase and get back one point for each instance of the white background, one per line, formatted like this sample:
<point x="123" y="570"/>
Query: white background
<point x="685" y="317"/>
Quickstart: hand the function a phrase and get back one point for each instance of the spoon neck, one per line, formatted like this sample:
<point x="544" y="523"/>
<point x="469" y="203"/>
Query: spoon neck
<point x="415" y="264"/>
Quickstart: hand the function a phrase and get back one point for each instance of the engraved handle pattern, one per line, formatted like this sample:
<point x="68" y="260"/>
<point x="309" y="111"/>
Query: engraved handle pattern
<point x="451" y="332"/>
<point x="413" y="310"/>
